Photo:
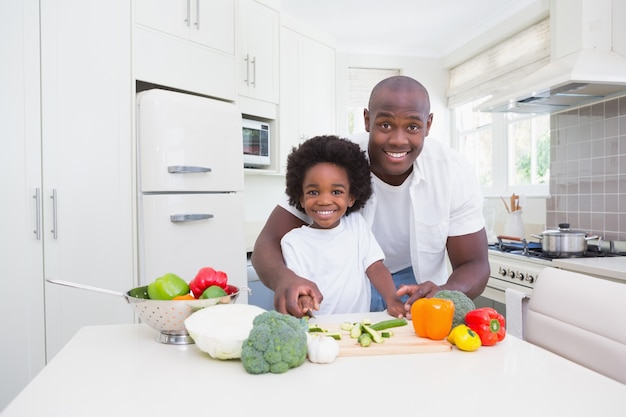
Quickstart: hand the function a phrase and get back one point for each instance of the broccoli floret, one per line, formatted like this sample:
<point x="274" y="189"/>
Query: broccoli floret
<point x="276" y="343"/>
<point x="462" y="304"/>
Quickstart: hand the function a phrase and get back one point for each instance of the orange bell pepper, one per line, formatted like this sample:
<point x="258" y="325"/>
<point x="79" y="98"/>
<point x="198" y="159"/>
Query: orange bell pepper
<point x="432" y="317"/>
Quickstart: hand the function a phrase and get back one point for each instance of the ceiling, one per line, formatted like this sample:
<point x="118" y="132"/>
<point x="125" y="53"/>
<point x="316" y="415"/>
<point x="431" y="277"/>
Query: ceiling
<point x="423" y="28"/>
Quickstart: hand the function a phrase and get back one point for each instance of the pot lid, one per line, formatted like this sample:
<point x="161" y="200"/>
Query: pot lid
<point x="563" y="229"/>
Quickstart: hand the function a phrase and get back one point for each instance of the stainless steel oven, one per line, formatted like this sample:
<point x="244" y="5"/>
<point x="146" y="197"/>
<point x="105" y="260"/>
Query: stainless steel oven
<point x="517" y="264"/>
<point x="509" y="270"/>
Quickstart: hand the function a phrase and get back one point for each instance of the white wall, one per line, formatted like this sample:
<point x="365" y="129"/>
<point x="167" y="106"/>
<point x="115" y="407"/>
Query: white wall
<point x="429" y="72"/>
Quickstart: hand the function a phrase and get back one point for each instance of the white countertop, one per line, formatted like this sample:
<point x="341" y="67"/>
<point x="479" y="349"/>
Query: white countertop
<point x="610" y="267"/>
<point x="120" y="370"/>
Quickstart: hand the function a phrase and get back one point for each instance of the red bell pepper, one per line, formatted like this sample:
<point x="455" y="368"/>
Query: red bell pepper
<point x="206" y="277"/>
<point x="488" y="324"/>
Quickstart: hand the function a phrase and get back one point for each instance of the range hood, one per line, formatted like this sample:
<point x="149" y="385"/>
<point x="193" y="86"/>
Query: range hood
<point x="586" y="63"/>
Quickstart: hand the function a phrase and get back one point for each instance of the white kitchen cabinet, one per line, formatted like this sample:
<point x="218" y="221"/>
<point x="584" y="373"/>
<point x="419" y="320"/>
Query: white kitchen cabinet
<point x="307" y="85"/>
<point x="258" y="54"/>
<point x="66" y="129"/>
<point x="86" y="178"/>
<point x="22" y="355"/>
<point x="207" y="22"/>
<point x="186" y="44"/>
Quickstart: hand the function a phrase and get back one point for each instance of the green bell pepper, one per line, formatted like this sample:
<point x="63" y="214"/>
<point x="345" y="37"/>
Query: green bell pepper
<point x="167" y="287"/>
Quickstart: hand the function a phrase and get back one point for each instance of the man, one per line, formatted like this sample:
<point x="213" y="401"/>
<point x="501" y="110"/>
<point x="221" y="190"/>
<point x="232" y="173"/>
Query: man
<point x="426" y="201"/>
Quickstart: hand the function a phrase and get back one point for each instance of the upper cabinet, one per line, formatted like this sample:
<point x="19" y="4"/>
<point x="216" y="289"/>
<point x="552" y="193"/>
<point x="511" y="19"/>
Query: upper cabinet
<point x="208" y="22"/>
<point x="186" y="44"/>
<point x="258" y="56"/>
<point x="307" y="67"/>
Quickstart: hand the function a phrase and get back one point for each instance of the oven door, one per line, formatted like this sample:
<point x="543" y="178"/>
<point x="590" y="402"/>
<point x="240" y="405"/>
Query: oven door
<point x="494" y="294"/>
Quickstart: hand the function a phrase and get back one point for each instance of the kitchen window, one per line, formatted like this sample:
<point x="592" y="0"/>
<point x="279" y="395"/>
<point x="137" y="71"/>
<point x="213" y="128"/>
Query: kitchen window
<point x="510" y="152"/>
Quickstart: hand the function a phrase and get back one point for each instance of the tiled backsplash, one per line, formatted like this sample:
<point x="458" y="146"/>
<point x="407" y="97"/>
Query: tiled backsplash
<point x="588" y="169"/>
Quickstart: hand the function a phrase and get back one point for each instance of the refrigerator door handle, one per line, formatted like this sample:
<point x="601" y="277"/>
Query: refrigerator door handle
<point x="185" y="169"/>
<point x="179" y="218"/>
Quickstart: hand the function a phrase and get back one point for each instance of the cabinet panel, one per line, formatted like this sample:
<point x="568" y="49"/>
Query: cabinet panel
<point x="259" y="29"/>
<point x="307" y="86"/>
<point x="185" y="247"/>
<point x="169" y="16"/>
<point x="22" y="355"/>
<point x="176" y="63"/>
<point x="208" y="22"/>
<point x="214" y="24"/>
<point x="317" y="88"/>
<point x="87" y="165"/>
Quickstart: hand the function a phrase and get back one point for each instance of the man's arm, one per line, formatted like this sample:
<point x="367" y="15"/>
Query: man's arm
<point x="268" y="262"/>
<point x="470" y="263"/>
<point x="470" y="269"/>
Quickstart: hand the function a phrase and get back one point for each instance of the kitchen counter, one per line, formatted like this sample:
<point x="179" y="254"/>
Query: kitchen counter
<point x="120" y="370"/>
<point x="613" y="268"/>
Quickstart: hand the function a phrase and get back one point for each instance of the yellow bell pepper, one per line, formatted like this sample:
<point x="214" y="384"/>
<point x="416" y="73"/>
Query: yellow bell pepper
<point x="464" y="338"/>
<point x="432" y="317"/>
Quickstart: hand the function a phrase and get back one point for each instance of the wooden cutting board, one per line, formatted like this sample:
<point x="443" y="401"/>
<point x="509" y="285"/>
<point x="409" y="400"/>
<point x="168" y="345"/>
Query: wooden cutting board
<point x="403" y="341"/>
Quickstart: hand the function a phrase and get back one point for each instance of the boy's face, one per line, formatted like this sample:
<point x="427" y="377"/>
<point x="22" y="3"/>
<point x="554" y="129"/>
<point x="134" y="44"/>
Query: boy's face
<point x="326" y="195"/>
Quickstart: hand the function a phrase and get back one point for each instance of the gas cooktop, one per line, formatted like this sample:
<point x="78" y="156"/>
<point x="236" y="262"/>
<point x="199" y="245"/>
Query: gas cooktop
<point x="534" y="250"/>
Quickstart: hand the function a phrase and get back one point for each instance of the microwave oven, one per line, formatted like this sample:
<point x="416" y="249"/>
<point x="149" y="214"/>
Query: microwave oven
<point x="256" y="143"/>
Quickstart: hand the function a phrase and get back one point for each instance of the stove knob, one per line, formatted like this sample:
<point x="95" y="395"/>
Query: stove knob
<point x="502" y="271"/>
<point x="520" y="276"/>
<point x="530" y="278"/>
<point x="512" y="274"/>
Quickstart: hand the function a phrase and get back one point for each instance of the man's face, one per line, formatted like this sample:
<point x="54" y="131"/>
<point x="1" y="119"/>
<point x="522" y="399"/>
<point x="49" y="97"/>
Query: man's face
<point x="398" y="122"/>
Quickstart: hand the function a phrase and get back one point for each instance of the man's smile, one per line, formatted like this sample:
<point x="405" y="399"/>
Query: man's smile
<point x="397" y="154"/>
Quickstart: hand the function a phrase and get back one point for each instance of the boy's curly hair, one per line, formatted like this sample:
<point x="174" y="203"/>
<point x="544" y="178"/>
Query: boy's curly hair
<point x="335" y="150"/>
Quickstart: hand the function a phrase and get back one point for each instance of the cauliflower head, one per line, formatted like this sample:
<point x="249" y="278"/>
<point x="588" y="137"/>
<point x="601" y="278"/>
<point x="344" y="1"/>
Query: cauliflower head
<point x="276" y="343"/>
<point x="462" y="304"/>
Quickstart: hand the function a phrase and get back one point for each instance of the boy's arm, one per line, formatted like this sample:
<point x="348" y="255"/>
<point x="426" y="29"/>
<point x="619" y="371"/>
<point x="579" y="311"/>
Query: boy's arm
<point x="268" y="262"/>
<point x="383" y="282"/>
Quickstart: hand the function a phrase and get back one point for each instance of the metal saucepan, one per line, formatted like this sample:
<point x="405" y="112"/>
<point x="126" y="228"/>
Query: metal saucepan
<point x="563" y="241"/>
<point x="165" y="316"/>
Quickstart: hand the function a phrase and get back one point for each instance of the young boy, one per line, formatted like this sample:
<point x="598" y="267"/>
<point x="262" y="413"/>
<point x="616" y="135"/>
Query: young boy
<point x="328" y="178"/>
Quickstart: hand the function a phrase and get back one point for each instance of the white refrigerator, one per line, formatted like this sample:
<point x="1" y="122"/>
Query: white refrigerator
<point x="190" y="182"/>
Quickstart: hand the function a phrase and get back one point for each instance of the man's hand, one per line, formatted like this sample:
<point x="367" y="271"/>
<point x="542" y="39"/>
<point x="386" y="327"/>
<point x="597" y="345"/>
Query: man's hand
<point x="297" y="296"/>
<point x="307" y="306"/>
<point x="426" y="289"/>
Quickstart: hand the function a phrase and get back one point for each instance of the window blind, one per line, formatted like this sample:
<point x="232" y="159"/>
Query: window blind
<point x="360" y="84"/>
<point x="499" y="66"/>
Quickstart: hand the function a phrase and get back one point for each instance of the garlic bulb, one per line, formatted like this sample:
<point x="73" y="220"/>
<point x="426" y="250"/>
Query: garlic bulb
<point x="321" y="348"/>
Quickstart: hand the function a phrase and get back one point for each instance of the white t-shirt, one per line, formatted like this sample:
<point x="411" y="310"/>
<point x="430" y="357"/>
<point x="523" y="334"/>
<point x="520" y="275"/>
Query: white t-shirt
<point x="391" y="222"/>
<point x="445" y="200"/>
<point x="336" y="260"/>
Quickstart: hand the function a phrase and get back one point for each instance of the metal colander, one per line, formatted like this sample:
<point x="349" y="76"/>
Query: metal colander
<point x="165" y="316"/>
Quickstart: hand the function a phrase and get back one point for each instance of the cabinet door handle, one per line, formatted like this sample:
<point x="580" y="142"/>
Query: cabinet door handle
<point x="181" y="218"/>
<point x="254" y="71"/>
<point x="55" y="228"/>
<point x="188" y="18"/>
<point x="37" y="198"/>
<point x="185" y="169"/>
<point x="197" y="15"/>
<point x="247" y="59"/>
